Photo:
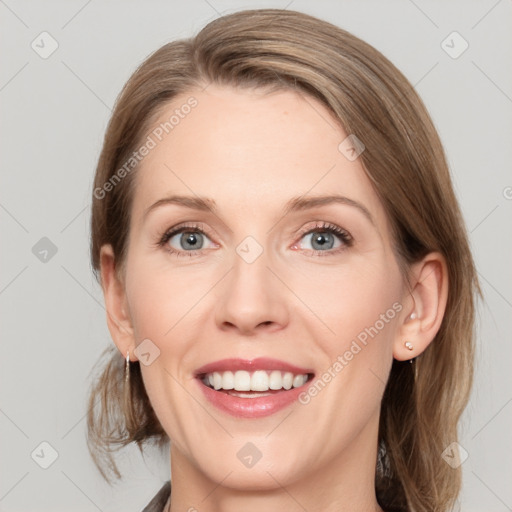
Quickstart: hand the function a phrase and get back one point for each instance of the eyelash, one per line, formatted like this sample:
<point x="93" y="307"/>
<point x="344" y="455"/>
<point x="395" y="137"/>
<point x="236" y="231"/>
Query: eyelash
<point x="323" y="227"/>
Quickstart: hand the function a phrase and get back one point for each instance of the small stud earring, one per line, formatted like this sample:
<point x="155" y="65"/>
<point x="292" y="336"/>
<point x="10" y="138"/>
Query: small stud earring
<point x="408" y="344"/>
<point x="413" y="315"/>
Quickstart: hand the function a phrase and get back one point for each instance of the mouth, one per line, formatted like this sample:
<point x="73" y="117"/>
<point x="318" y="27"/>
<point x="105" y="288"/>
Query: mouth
<point x="252" y="388"/>
<point x="253" y="384"/>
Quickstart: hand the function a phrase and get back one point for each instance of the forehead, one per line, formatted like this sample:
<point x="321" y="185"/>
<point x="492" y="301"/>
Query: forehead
<point x="249" y="151"/>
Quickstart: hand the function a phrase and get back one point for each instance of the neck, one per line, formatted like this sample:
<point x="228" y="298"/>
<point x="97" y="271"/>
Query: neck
<point x="345" y="484"/>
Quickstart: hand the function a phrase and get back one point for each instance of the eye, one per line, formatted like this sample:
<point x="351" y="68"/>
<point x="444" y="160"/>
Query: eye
<point x="189" y="240"/>
<point x="186" y="240"/>
<point x="326" y="238"/>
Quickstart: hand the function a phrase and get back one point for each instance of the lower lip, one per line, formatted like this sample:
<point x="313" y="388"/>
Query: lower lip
<point x="252" y="407"/>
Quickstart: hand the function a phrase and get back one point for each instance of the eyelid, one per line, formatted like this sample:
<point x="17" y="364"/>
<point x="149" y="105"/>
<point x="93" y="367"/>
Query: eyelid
<point x="347" y="240"/>
<point x="322" y="224"/>
<point x="179" y="228"/>
<point x="343" y="235"/>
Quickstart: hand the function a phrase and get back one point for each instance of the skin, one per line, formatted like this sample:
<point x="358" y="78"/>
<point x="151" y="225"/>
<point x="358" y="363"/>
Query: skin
<point x="251" y="152"/>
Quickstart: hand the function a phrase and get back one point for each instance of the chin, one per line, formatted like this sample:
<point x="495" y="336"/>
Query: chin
<point x="251" y="479"/>
<point x="267" y="473"/>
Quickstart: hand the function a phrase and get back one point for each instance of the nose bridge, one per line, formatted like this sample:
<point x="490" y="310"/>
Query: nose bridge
<point x="251" y="294"/>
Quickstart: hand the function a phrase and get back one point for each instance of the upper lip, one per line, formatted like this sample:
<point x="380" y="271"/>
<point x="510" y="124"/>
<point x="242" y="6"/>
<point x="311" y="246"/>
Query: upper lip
<point x="250" y="365"/>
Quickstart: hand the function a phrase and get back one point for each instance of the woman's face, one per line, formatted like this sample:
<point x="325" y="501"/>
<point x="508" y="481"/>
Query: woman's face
<point x="264" y="278"/>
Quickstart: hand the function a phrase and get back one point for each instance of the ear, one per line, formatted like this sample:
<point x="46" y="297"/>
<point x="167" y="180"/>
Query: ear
<point x="426" y="306"/>
<point x="118" y="317"/>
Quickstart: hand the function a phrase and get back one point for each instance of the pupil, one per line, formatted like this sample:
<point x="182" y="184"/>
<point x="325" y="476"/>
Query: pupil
<point x="191" y="238"/>
<point x="321" y="239"/>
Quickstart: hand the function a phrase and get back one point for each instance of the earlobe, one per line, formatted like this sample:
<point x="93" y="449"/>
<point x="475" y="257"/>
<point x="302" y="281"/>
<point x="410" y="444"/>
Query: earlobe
<point x="118" y="318"/>
<point x="428" y="296"/>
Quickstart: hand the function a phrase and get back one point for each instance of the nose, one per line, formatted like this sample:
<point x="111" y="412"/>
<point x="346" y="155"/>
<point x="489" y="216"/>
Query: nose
<point x="252" y="299"/>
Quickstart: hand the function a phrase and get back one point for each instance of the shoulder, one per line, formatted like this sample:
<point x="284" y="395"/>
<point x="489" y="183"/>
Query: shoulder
<point x="157" y="504"/>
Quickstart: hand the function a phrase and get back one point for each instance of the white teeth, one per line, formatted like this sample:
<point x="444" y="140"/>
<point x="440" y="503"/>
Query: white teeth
<point x="276" y="380"/>
<point x="298" y="380"/>
<point x="250" y="394"/>
<point x="217" y="380"/>
<point x="288" y="380"/>
<point x="242" y="381"/>
<point x="260" y="380"/>
<point x="228" y="380"/>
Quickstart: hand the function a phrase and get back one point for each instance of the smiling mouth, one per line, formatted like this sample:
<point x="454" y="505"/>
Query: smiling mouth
<point x="244" y="384"/>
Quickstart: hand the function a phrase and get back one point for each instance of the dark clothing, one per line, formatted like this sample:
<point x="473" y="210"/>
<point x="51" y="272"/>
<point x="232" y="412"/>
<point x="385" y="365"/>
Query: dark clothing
<point x="157" y="504"/>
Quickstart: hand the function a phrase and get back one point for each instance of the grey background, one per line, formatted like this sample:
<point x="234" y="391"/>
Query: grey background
<point x="54" y="114"/>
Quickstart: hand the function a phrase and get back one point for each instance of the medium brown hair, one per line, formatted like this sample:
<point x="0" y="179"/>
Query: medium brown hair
<point x="278" y="50"/>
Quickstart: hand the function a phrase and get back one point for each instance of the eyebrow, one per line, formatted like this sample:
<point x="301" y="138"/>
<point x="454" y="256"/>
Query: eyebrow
<point x="295" y="204"/>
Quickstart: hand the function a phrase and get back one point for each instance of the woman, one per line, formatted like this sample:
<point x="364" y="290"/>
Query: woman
<point x="286" y="274"/>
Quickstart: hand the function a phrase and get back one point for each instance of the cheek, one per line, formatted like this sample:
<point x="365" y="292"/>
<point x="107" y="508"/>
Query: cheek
<point x="161" y="298"/>
<point x="352" y="298"/>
